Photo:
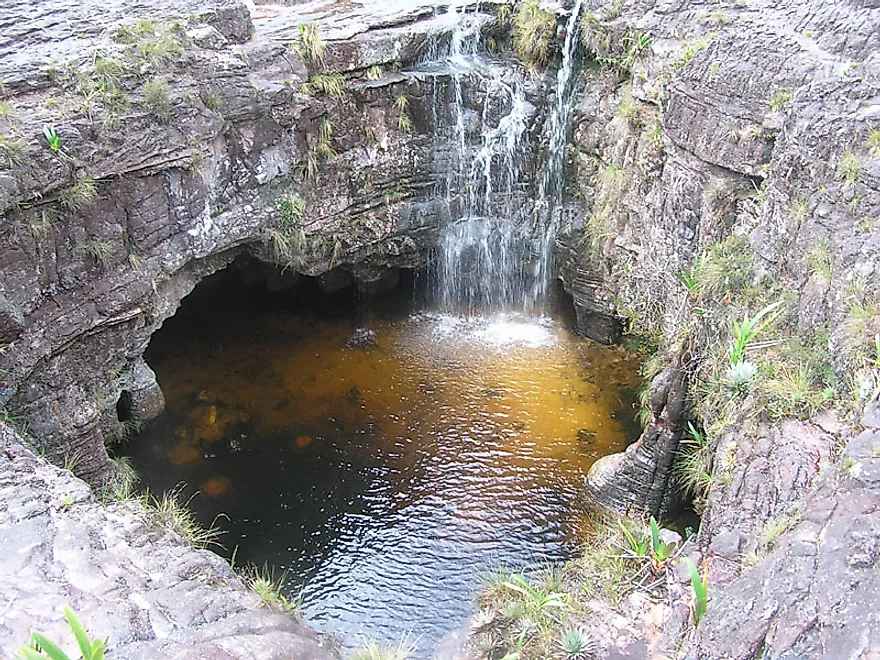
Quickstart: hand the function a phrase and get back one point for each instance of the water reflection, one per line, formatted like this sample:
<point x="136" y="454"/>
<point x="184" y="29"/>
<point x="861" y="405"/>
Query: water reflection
<point x="385" y="459"/>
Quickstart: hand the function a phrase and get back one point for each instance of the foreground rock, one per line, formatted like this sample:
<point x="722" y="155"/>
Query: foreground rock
<point x="127" y="578"/>
<point x="817" y="594"/>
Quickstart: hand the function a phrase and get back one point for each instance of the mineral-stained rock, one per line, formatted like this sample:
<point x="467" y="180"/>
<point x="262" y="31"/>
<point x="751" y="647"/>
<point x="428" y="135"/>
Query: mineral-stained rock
<point x="125" y="575"/>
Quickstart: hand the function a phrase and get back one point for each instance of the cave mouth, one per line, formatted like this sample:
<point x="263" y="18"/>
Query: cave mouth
<point x="380" y="455"/>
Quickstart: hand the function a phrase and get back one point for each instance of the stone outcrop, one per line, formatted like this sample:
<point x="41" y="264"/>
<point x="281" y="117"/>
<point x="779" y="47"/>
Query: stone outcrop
<point x="125" y="575"/>
<point x="639" y="480"/>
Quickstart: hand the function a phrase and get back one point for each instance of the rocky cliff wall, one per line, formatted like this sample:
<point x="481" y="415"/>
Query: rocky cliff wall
<point x="145" y="146"/>
<point x="726" y="158"/>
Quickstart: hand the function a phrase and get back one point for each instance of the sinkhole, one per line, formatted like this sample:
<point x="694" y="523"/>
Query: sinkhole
<point x="380" y="455"/>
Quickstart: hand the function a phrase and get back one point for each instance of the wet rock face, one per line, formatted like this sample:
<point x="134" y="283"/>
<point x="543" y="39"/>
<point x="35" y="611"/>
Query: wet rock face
<point x="124" y="574"/>
<point x="178" y="137"/>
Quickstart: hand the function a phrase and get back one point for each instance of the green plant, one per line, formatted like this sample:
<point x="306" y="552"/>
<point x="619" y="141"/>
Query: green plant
<point x="71" y="461"/>
<point x="700" y="585"/>
<point x="41" y="647"/>
<point x="533" y="30"/>
<point x="849" y="167"/>
<point x="690" y="51"/>
<point x="780" y="99"/>
<point x="12" y="150"/>
<point x="660" y="552"/>
<point x="269" y="588"/>
<point x="690" y="276"/>
<point x="375" y="72"/>
<point x="532" y="602"/>
<point x="576" y="645"/>
<point x="745" y="331"/>
<point x="175" y="515"/>
<point x="80" y="194"/>
<point x="638" y="543"/>
<point x="52" y="137"/>
<point x="311" y="43"/>
<point x="291" y="207"/>
<point x="371" y="650"/>
<point x="156" y="98"/>
<point x="404" y="122"/>
<point x="740" y="376"/>
<point x="6" y="110"/>
<point x="874" y="143"/>
<point x="331" y="84"/>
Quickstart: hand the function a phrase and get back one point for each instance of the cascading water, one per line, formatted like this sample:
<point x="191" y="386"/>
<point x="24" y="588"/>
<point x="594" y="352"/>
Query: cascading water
<point x="499" y="252"/>
<point x="552" y="179"/>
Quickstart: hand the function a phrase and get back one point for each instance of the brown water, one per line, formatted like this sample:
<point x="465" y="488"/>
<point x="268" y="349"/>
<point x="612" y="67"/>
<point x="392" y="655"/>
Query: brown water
<point x="386" y="476"/>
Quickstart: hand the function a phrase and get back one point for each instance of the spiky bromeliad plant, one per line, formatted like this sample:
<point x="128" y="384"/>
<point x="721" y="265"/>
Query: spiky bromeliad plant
<point x="43" y="648"/>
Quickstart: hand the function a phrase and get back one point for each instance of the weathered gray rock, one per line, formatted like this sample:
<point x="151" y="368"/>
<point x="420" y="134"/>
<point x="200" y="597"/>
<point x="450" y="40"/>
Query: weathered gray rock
<point x="818" y="593"/>
<point x="125" y="575"/>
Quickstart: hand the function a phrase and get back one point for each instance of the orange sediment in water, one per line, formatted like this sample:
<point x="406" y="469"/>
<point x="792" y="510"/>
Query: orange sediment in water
<point x="216" y="486"/>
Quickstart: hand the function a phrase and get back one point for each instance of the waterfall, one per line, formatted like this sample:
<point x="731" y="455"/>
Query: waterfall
<point x="498" y="252"/>
<point x="549" y="203"/>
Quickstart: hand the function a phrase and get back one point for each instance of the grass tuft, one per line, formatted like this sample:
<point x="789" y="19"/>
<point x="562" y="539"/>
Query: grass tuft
<point x="533" y="31"/>
<point x="311" y="44"/>
<point x="156" y="99"/>
<point x="174" y="514"/>
<point x="80" y="194"/>
<point x="371" y="650"/>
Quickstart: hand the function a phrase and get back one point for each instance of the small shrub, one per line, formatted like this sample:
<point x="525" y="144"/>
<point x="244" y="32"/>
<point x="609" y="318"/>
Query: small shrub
<point x="693" y="467"/>
<point x="99" y="250"/>
<point x="371" y="650"/>
<point x="291" y="207"/>
<point x="156" y="99"/>
<point x="874" y="143"/>
<point x="375" y="72"/>
<point x="175" y="515"/>
<point x="270" y="589"/>
<point x="780" y="100"/>
<point x="12" y="150"/>
<point x="819" y="260"/>
<point x="121" y="485"/>
<point x="404" y="122"/>
<point x="212" y="101"/>
<point x="286" y="246"/>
